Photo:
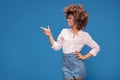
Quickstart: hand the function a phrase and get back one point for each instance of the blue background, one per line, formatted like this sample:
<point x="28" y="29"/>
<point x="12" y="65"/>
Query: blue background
<point x="26" y="54"/>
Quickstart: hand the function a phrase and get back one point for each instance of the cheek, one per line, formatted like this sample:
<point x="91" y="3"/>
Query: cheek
<point x="72" y="23"/>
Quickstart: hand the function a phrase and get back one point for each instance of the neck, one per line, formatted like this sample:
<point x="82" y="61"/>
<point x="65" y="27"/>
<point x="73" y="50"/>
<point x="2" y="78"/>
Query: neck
<point x="75" y="30"/>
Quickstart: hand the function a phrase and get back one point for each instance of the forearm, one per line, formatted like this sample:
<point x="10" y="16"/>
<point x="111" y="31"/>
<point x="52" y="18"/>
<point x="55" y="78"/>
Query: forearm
<point x="47" y="32"/>
<point x="51" y="39"/>
<point x="88" y="55"/>
<point x="83" y="57"/>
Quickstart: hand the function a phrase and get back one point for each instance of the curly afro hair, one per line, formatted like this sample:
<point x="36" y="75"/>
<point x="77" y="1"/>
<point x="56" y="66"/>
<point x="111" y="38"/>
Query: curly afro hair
<point x="80" y="15"/>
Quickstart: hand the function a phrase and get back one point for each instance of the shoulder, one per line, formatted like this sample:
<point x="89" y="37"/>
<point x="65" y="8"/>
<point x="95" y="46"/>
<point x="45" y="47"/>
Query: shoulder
<point x="85" y="33"/>
<point x="65" y="30"/>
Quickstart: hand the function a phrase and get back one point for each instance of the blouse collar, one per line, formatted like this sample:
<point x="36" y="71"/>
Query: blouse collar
<point x="78" y="32"/>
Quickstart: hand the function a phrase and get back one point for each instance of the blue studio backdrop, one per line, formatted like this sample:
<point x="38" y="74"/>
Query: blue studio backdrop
<point x="26" y="54"/>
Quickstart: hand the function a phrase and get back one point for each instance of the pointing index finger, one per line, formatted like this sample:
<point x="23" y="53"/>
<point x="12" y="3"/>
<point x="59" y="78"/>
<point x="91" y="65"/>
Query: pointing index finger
<point x="43" y="28"/>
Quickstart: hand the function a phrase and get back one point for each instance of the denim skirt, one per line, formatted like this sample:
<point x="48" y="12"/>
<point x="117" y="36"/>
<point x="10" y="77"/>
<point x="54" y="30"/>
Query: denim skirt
<point x="72" y="67"/>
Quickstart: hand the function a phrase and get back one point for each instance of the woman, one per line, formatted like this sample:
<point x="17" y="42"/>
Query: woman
<point x="72" y="40"/>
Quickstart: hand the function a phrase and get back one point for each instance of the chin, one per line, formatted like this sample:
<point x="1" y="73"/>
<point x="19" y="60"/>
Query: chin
<point x="69" y="25"/>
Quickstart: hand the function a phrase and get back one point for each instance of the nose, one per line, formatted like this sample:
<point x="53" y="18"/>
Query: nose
<point x="68" y="19"/>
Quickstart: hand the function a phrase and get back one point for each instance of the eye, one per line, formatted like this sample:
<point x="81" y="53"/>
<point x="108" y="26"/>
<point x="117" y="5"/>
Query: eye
<point x="70" y="18"/>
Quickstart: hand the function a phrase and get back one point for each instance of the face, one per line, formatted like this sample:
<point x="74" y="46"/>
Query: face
<point x="70" y="20"/>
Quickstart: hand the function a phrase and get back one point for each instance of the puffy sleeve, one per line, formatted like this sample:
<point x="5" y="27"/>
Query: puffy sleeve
<point x="57" y="45"/>
<point x="95" y="48"/>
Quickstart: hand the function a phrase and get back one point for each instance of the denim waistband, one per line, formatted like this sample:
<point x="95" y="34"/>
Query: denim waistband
<point x="72" y="55"/>
<point x="69" y="55"/>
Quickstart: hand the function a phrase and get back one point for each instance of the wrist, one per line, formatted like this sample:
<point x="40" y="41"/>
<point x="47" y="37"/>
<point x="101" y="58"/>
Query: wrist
<point x="84" y="57"/>
<point x="88" y="55"/>
<point x="50" y="34"/>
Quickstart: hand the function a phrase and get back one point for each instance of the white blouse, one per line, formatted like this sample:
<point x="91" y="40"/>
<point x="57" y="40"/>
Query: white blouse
<point x="71" y="44"/>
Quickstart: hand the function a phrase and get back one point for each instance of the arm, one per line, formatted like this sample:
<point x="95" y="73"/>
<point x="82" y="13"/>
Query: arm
<point x="56" y="45"/>
<point x="51" y="39"/>
<point x="93" y="52"/>
<point x="47" y="32"/>
<point x="83" y="57"/>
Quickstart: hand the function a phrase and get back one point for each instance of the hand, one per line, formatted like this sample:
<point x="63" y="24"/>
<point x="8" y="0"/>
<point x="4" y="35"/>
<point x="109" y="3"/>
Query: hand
<point x="46" y="30"/>
<point x="79" y="55"/>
